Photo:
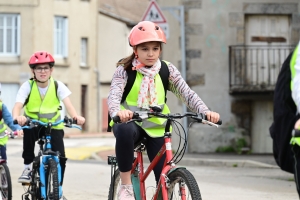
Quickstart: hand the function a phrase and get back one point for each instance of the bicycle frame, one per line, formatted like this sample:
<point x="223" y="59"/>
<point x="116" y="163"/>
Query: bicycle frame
<point x="45" y="155"/>
<point x="168" y="165"/>
<point x="144" y="175"/>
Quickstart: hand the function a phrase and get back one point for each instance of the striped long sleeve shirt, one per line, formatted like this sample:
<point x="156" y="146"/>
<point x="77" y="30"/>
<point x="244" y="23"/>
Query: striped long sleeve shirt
<point x="177" y="85"/>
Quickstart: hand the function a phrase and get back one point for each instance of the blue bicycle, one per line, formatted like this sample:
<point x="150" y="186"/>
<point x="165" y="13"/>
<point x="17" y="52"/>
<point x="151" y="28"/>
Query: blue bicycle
<point x="46" y="171"/>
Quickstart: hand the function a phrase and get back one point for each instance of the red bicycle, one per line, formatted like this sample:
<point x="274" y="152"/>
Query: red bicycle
<point x="175" y="182"/>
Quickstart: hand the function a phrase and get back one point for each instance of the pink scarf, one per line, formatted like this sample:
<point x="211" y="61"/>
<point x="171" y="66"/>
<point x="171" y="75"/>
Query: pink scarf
<point x="147" y="93"/>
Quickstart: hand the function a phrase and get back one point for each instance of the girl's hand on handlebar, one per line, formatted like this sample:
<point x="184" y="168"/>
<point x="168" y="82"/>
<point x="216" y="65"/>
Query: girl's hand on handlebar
<point x="125" y="115"/>
<point x="21" y="120"/>
<point x="212" y="116"/>
<point x="297" y="124"/>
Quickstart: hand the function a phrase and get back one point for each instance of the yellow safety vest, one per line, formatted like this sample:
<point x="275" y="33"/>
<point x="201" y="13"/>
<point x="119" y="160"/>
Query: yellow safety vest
<point x="294" y="140"/>
<point x="154" y="127"/>
<point x="47" y="109"/>
<point x="3" y="127"/>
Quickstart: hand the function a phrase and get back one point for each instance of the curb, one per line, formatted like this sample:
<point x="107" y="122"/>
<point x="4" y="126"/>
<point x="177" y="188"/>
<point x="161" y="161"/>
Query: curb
<point x="209" y="162"/>
<point x="225" y="163"/>
<point x="88" y="135"/>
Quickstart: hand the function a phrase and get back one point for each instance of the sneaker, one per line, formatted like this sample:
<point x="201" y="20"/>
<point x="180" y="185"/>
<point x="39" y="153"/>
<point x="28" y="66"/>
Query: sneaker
<point x="25" y="177"/>
<point x="126" y="193"/>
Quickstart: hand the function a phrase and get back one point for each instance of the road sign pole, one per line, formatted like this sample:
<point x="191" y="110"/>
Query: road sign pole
<point x="180" y="18"/>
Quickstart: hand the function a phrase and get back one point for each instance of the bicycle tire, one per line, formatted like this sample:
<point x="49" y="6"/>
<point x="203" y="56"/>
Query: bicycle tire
<point x="5" y="185"/>
<point x="183" y="176"/>
<point x="34" y="188"/>
<point x="114" y="185"/>
<point x="52" y="181"/>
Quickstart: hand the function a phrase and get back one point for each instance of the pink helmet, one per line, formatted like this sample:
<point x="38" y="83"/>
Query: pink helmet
<point x="41" y="57"/>
<point x="146" y="31"/>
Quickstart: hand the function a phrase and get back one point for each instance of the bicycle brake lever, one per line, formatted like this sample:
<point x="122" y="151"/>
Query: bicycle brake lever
<point x="134" y="120"/>
<point x="142" y="114"/>
<point x="209" y="123"/>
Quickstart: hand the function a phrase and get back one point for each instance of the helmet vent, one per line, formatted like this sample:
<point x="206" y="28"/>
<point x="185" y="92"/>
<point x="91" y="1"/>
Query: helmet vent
<point x="156" y="27"/>
<point x="141" y="28"/>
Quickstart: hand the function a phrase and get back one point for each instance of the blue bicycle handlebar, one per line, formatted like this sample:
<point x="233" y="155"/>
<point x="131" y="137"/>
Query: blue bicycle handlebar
<point x="34" y="121"/>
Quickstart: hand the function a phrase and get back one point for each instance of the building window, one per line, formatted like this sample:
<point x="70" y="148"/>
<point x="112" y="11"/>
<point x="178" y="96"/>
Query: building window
<point x="61" y="36"/>
<point x="9" y="34"/>
<point x="84" y="52"/>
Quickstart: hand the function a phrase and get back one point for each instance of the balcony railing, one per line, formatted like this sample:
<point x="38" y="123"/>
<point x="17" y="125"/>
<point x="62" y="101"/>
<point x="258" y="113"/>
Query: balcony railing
<point x="254" y="69"/>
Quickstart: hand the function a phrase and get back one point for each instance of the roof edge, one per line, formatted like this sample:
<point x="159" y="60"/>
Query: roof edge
<point x="127" y="21"/>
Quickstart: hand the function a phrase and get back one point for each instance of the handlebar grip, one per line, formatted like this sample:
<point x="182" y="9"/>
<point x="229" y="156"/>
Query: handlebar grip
<point x="116" y="119"/>
<point x="15" y="121"/>
<point x="296" y="133"/>
<point x="70" y="121"/>
<point x="219" y="122"/>
<point x="74" y="121"/>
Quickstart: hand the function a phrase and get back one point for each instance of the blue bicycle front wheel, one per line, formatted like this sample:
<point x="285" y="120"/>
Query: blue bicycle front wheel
<point x="52" y="181"/>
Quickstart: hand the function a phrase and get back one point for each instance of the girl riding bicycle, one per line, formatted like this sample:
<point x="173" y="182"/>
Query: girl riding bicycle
<point x="6" y="118"/>
<point x="146" y="39"/>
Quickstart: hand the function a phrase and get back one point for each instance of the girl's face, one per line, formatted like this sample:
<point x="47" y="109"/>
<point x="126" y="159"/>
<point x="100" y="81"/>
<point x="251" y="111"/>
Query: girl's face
<point x="148" y="52"/>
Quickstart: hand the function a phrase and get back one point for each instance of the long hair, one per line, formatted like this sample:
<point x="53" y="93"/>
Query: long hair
<point x="127" y="62"/>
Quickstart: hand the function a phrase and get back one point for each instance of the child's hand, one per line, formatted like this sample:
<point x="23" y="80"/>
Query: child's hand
<point x="297" y="124"/>
<point x="20" y="133"/>
<point x="212" y="116"/>
<point x="21" y="120"/>
<point x="80" y="120"/>
<point x="125" y="115"/>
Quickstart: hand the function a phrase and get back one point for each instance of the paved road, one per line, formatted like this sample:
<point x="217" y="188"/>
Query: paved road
<point x="89" y="179"/>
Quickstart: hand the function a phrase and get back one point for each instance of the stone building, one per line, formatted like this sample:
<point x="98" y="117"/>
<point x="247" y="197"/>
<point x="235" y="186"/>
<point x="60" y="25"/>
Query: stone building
<point x="66" y="29"/>
<point x="234" y="51"/>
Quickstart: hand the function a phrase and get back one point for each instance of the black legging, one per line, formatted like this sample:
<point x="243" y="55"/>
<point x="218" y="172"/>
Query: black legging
<point x="126" y="136"/>
<point x="57" y="144"/>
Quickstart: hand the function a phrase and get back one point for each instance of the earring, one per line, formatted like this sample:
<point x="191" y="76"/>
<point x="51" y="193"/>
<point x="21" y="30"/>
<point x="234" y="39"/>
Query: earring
<point x="136" y="56"/>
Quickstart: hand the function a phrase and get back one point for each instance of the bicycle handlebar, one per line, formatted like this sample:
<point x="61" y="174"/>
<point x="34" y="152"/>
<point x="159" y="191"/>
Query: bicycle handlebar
<point x="69" y="122"/>
<point x="139" y="116"/>
<point x="10" y="134"/>
<point x="295" y="133"/>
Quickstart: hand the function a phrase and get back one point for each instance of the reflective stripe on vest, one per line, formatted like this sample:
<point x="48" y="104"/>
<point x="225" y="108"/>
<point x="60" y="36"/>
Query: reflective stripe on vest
<point x="46" y="110"/>
<point x="293" y="63"/>
<point x="153" y="126"/>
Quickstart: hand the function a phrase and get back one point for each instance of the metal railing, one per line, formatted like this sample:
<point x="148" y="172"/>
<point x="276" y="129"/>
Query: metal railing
<point x="255" y="68"/>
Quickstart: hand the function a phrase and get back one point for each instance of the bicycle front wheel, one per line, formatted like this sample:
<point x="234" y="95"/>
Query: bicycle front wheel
<point x="52" y="181"/>
<point x="114" y="185"/>
<point x="183" y="185"/>
<point x="5" y="184"/>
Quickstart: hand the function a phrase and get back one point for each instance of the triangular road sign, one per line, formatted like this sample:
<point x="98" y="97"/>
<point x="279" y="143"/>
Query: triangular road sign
<point x="154" y="14"/>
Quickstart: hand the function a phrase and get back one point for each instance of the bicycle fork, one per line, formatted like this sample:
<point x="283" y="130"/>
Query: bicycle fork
<point x="43" y="172"/>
